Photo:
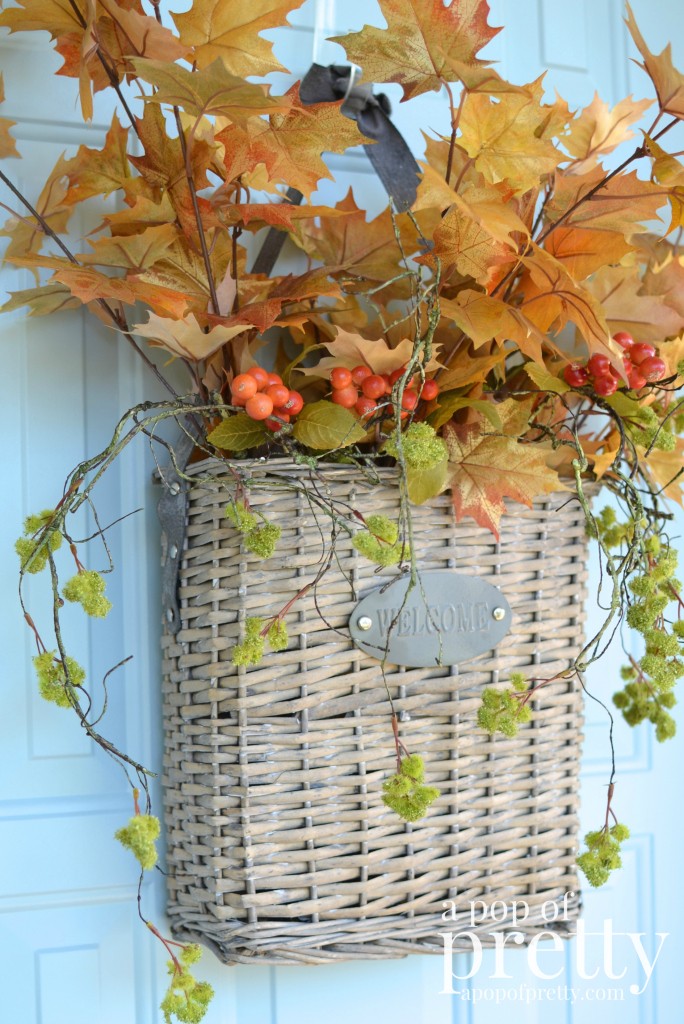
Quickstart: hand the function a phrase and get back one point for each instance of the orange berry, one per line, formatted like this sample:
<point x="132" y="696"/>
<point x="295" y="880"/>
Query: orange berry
<point x="275" y="425"/>
<point x="373" y="386"/>
<point x="346" y="397"/>
<point x="340" y="377"/>
<point x="359" y="374"/>
<point x="294" y="403"/>
<point x="409" y="400"/>
<point x="260" y="376"/>
<point x="274" y="378"/>
<point x="278" y="394"/>
<point x="365" y="407"/>
<point x="430" y="390"/>
<point x="388" y="384"/>
<point x="259" y="407"/>
<point x="242" y="388"/>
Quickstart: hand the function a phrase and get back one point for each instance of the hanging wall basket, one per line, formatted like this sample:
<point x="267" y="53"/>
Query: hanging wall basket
<point x="280" y="849"/>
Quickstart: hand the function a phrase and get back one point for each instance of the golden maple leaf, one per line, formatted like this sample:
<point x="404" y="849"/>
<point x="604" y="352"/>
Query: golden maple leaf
<point x="7" y="144"/>
<point x="626" y="307"/>
<point x="598" y="129"/>
<point x="231" y="31"/>
<point x="485" y="467"/>
<point x="668" y="81"/>
<point x="184" y="337"/>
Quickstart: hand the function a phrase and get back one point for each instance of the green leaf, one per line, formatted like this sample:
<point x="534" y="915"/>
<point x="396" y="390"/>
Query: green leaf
<point x="324" y="425"/>
<point x="424" y="484"/>
<point x="450" y="402"/>
<point x="544" y="380"/>
<point x="237" y="433"/>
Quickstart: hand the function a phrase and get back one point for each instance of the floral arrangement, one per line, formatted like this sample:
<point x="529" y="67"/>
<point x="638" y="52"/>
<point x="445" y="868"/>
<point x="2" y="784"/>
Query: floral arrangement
<point x="517" y="331"/>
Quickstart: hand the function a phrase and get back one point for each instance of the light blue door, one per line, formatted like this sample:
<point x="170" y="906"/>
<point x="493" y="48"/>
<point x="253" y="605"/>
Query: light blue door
<point x="71" y="948"/>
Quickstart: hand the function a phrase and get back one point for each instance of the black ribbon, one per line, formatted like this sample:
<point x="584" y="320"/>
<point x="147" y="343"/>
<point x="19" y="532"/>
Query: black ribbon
<point x="389" y="154"/>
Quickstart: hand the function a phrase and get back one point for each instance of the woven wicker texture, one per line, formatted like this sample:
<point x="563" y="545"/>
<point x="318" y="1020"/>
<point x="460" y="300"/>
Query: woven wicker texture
<point x="280" y="849"/>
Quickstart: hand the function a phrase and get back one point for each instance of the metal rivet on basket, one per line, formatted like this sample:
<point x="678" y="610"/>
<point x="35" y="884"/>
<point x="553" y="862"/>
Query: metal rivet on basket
<point x="169" y="614"/>
<point x="173" y="551"/>
<point x="364" y="622"/>
<point x="404" y="716"/>
<point x="174" y="488"/>
<point x="498" y="614"/>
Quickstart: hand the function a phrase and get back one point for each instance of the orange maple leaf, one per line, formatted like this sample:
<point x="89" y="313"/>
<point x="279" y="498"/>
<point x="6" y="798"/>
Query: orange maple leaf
<point x="668" y="81"/>
<point x="486" y="467"/>
<point x="599" y="129"/>
<point x="424" y="44"/>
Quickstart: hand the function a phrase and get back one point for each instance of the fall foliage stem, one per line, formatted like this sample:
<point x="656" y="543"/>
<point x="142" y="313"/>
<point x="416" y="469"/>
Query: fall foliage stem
<point x="455" y="118"/>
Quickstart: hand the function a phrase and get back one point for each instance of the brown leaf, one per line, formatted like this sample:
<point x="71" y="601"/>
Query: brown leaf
<point x="668" y="81"/>
<point x="290" y="143"/>
<point x="50" y="298"/>
<point x="99" y="172"/>
<point x="7" y="144"/>
<point x="486" y="467"/>
<point x="231" y="31"/>
<point x="185" y="337"/>
<point x="623" y="204"/>
<point x="460" y="243"/>
<point x="583" y="250"/>
<point x="665" y="469"/>
<point x="627" y="308"/>
<point x="506" y="139"/>
<point x="134" y="253"/>
<point x="484" y="318"/>
<point x="350" y="350"/>
<point x="423" y="45"/>
<point x="599" y="129"/>
<point x="25" y="233"/>
<point x="212" y="91"/>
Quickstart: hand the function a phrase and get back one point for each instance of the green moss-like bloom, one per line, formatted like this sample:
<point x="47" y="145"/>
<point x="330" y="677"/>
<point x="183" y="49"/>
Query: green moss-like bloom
<point x="240" y="516"/>
<point x="87" y="588"/>
<point x="603" y="853"/>
<point x="501" y="710"/>
<point x="421" y="447"/>
<point x="262" y="540"/>
<point x="139" y="837"/>
<point x="186" y="998"/>
<point x="52" y="678"/>
<point x="251" y="650"/>
<point x="277" y="635"/>
<point x="405" y="793"/>
<point x="33" y="557"/>
<point x="379" y="542"/>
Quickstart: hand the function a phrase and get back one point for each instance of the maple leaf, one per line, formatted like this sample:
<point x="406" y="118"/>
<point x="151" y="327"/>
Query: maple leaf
<point x="230" y="31"/>
<point x="99" y="172"/>
<point x="598" y="129"/>
<point x="349" y="349"/>
<point x="51" y="16"/>
<point x="583" y="250"/>
<point x="144" y="213"/>
<point x="424" y="44"/>
<point x="627" y="308"/>
<point x="212" y="91"/>
<point x="486" y="467"/>
<point x="471" y="369"/>
<point x="135" y="253"/>
<point x="623" y="204"/>
<point x="552" y="297"/>
<point x="668" y="172"/>
<point x="178" y="280"/>
<point x="668" y="81"/>
<point x="185" y="337"/>
<point x="291" y="142"/>
<point x="505" y="139"/>
<point x="49" y="298"/>
<point x="483" y="318"/>
<point x="665" y="469"/>
<point x="7" y="143"/>
<point x="366" y="249"/>
<point x="279" y="215"/>
<point x="25" y="233"/>
<point x="460" y="243"/>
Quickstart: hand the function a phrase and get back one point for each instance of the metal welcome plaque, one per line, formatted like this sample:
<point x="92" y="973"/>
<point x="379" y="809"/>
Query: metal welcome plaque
<point x="445" y="619"/>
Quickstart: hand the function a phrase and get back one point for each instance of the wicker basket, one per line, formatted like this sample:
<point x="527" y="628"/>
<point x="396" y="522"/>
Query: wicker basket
<point x="280" y="849"/>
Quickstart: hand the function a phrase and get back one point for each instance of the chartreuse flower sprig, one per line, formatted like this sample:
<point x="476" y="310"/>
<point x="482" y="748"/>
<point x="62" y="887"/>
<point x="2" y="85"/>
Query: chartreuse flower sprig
<point x="504" y="710"/>
<point x="603" y="853"/>
<point x="186" y="998"/>
<point x="34" y="550"/>
<point x="139" y="836"/>
<point x="421" y="448"/>
<point x="379" y="542"/>
<point x="251" y="649"/>
<point x="57" y="679"/>
<point x="260" y="539"/>
<point x="405" y="792"/>
<point x="87" y="588"/>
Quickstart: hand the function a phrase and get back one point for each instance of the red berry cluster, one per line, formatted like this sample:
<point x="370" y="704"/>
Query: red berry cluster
<point x="641" y="363"/>
<point x="264" y="397"/>
<point x="362" y="390"/>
